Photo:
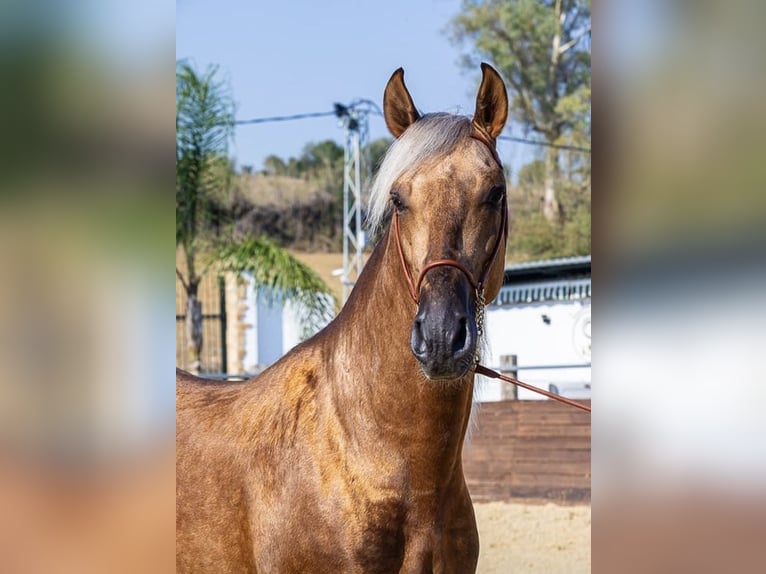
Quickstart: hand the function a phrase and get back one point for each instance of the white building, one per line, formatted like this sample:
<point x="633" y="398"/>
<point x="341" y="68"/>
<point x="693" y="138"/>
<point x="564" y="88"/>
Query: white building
<point x="541" y="320"/>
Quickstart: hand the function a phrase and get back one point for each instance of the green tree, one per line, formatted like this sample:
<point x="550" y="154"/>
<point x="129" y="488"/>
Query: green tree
<point x="375" y="151"/>
<point x="274" y="165"/>
<point x="532" y="173"/>
<point x="542" y="49"/>
<point x="325" y="155"/>
<point x="323" y="163"/>
<point x="204" y="129"/>
<point x="317" y="222"/>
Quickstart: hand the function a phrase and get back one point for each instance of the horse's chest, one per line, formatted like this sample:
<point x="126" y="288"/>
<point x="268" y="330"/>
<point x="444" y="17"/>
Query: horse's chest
<point x="324" y="520"/>
<point x="376" y="536"/>
<point x="331" y="535"/>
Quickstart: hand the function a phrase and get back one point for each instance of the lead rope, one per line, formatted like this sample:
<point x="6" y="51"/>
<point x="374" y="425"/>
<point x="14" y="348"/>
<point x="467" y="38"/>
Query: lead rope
<point x="482" y="370"/>
<point x="481" y="306"/>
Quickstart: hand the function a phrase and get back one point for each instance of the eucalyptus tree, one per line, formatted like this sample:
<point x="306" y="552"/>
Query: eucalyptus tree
<point x="542" y="49"/>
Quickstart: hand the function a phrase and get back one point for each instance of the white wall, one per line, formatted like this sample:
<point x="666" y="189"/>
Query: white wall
<point x="273" y="329"/>
<point x="520" y="330"/>
<point x="269" y="321"/>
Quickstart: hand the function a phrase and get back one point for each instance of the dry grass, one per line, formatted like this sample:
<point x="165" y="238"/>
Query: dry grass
<point x="278" y="190"/>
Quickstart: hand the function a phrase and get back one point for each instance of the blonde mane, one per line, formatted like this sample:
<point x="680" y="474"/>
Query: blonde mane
<point x="431" y="135"/>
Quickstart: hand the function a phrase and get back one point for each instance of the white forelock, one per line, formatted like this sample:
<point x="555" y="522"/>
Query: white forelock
<point x="431" y="135"/>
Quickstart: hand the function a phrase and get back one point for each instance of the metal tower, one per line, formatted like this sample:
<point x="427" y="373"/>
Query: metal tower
<point x="353" y="118"/>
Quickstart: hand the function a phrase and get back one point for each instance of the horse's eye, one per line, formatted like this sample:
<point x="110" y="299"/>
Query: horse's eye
<point x="496" y="195"/>
<point x="397" y="201"/>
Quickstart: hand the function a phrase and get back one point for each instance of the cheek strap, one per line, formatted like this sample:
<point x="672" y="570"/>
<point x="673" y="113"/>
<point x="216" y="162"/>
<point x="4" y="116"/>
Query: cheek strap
<point x="478" y="285"/>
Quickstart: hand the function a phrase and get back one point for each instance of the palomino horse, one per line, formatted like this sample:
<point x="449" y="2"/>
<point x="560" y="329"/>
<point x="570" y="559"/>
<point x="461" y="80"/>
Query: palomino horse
<point x="345" y="455"/>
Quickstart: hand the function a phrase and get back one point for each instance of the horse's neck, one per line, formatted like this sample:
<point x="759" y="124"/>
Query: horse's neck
<point x="378" y="377"/>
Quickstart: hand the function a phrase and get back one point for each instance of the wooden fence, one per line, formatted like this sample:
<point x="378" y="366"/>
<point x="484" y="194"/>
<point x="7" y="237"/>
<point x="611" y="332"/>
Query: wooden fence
<point x="529" y="449"/>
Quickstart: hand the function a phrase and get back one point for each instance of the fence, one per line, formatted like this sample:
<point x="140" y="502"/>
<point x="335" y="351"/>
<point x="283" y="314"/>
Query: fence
<point x="529" y="449"/>
<point x="212" y="296"/>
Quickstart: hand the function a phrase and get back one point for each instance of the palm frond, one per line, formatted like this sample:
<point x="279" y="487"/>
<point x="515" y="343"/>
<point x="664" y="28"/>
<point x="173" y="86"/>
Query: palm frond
<point x="282" y="277"/>
<point x="204" y="128"/>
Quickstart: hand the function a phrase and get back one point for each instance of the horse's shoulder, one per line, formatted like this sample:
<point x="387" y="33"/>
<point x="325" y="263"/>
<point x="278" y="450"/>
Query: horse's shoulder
<point x="302" y="366"/>
<point x="185" y="379"/>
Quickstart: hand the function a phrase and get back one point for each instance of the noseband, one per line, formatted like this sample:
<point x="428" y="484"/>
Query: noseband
<point x="477" y="284"/>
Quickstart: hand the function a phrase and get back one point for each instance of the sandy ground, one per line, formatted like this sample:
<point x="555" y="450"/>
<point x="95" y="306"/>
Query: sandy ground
<point x="533" y="538"/>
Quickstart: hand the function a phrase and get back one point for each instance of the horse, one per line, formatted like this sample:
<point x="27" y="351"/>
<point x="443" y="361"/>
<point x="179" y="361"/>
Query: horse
<point x="345" y="455"/>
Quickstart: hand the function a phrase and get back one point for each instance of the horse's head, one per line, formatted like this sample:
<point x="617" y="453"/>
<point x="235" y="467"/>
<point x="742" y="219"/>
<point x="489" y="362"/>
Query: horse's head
<point x="445" y="188"/>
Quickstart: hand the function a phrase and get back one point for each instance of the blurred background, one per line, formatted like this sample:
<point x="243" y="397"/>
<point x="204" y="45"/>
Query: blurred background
<point x="679" y="461"/>
<point x="86" y="219"/>
<point x="86" y="252"/>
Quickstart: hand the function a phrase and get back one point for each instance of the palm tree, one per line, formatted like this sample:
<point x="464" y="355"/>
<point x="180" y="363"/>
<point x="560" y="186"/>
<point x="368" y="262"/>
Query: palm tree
<point x="204" y="128"/>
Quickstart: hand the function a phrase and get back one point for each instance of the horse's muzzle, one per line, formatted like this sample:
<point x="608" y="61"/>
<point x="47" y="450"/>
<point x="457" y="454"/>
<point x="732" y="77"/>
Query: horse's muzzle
<point x="443" y="337"/>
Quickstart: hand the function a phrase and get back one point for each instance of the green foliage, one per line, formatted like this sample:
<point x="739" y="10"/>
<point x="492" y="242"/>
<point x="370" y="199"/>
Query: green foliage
<point x="542" y="50"/>
<point x="320" y="161"/>
<point x="375" y="152"/>
<point x="324" y="155"/>
<point x="284" y="277"/>
<point x="532" y="174"/>
<point x="205" y="211"/>
<point x="577" y="233"/>
<point x="204" y="128"/>
<point x="274" y="165"/>
<point x="575" y="107"/>
<point x="298" y="201"/>
<point x="533" y="237"/>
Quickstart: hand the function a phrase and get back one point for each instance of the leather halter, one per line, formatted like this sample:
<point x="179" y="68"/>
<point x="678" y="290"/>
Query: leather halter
<point x="414" y="288"/>
<point x="478" y="284"/>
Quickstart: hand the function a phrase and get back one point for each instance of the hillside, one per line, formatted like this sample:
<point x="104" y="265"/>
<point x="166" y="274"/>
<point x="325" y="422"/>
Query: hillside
<point x="303" y="214"/>
<point x="263" y="190"/>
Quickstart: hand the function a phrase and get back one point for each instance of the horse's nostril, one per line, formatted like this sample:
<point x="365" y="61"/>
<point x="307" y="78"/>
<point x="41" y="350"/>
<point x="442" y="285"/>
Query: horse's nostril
<point x="461" y="333"/>
<point x="417" y="339"/>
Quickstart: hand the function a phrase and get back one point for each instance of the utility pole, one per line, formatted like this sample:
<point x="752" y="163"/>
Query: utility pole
<point x="353" y="118"/>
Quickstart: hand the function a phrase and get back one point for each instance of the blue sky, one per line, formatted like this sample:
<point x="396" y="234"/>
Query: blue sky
<point x="299" y="56"/>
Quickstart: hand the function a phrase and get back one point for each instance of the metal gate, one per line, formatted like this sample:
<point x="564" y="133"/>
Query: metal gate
<point x="212" y="296"/>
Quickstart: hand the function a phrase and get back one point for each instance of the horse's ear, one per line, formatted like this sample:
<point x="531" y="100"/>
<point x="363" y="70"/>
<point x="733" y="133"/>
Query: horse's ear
<point x="491" y="102"/>
<point x="398" y="108"/>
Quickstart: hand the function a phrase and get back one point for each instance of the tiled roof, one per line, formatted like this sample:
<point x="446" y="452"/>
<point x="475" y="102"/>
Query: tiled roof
<point x="560" y="279"/>
<point x="547" y="269"/>
<point x="546" y="263"/>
